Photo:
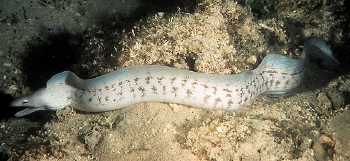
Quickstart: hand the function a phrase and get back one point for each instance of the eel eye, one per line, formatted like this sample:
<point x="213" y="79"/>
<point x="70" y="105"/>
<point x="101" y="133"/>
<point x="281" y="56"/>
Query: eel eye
<point x="24" y="101"/>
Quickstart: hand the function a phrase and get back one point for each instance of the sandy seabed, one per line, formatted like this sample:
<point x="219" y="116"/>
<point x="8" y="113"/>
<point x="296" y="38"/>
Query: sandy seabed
<point x="41" y="38"/>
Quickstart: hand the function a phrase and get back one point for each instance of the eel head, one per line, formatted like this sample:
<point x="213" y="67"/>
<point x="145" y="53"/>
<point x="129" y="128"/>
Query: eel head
<point x="56" y="95"/>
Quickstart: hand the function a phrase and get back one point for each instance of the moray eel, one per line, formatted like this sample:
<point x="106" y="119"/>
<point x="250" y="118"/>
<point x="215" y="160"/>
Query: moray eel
<point x="276" y="76"/>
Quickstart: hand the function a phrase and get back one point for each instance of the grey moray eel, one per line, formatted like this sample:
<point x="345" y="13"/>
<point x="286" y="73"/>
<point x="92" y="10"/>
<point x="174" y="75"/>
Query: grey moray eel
<point x="276" y="76"/>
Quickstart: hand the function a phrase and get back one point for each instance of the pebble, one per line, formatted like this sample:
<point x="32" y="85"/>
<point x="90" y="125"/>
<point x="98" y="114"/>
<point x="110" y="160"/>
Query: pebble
<point x="251" y="59"/>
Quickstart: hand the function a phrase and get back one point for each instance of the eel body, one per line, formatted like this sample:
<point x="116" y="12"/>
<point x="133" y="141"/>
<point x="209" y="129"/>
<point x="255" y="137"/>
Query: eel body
<point x="276" y="75"/>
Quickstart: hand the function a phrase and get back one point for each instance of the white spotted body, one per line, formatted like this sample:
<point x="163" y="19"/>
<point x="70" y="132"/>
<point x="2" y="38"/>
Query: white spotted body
<point x="163" y="84"/>
<point x="276" y="75"/>
<point x="146" y="83"/>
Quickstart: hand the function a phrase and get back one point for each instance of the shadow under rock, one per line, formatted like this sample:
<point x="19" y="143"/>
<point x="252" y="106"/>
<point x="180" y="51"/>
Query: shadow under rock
<point x="6" y="110"/>
<point x="48" y="56"/>
<point x="170" y="6"/>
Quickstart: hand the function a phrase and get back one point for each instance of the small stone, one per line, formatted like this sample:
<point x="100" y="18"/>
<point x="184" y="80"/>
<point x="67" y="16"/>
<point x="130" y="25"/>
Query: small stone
<point x="91" y="139"/>
<point x="327" y="140"/>
<point x="251" y="59"/>
<point x="324" y="101"/>
<point x="336" y="98"/>
<point x="219" y="129"/>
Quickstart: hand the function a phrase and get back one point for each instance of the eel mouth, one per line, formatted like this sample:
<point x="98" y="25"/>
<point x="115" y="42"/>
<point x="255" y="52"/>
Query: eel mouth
<point x="28" y="111"/>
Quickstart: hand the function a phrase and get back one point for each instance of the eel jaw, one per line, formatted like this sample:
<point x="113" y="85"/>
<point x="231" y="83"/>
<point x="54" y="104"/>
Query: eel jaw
<point x="28" y="111"/>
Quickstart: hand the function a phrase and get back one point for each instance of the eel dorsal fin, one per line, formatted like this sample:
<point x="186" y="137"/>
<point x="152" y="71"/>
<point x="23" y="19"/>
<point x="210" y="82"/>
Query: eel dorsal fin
<point x="64" y="78"/>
